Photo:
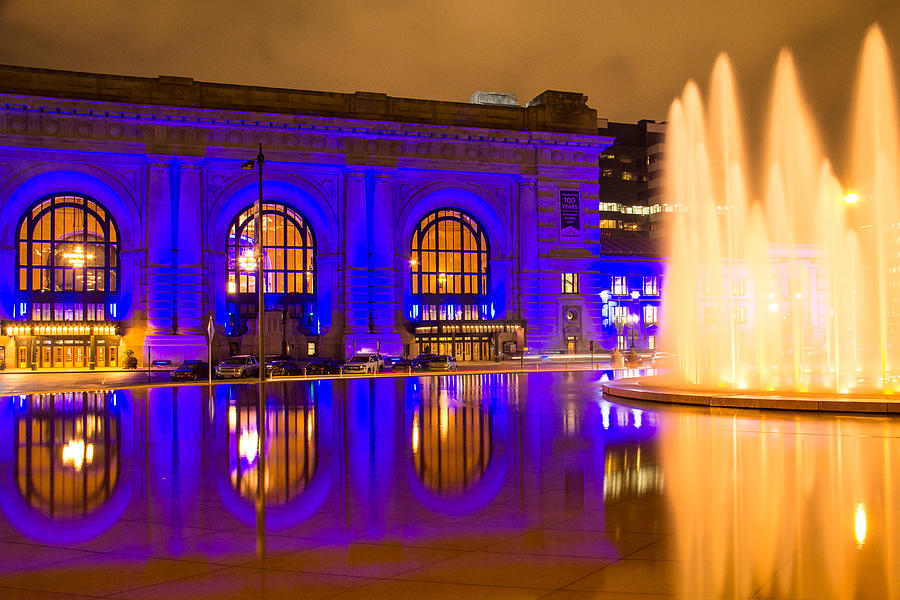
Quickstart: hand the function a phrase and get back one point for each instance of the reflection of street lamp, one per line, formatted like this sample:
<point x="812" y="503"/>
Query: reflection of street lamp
<point x="259" y="162"/>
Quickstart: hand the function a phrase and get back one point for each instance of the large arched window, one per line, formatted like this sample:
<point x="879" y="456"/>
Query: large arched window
<point x="450" y="254"/>
<point x="289" y="252"/>
<point x="67" y="259"/>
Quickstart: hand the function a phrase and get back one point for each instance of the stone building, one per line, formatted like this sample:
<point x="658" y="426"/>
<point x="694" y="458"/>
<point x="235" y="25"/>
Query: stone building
<point x="409" y="225"/>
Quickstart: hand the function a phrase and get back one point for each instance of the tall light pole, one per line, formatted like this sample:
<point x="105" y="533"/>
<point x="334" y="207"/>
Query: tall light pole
<point x="260" y="296"/>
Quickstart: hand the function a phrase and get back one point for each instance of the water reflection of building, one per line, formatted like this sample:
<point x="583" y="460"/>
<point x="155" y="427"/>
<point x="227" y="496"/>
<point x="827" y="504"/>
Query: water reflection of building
<point x="451" y="433"/>
<point x="290" y="440"/>
<point x="67" y="448"/>
<point x="630" y="464"/>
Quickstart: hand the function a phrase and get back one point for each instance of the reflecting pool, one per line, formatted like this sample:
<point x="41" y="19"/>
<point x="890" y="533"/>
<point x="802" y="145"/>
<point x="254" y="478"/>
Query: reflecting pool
<point x="499" y="485"/>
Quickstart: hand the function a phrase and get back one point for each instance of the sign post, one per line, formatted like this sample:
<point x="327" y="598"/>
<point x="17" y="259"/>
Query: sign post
<point x="210" y="330"/>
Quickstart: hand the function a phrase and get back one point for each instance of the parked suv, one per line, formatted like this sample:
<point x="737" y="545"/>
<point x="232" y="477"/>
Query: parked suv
<point x="364" y="363"/>
<point x="242" y="365"/>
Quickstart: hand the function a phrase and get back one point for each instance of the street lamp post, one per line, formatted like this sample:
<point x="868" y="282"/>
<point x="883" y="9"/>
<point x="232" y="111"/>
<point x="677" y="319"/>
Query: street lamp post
<point x="260" y="297"/>
<point x="633" y="320"/>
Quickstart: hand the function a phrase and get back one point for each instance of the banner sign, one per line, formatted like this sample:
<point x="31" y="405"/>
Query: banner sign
<point x="569" y="214"/>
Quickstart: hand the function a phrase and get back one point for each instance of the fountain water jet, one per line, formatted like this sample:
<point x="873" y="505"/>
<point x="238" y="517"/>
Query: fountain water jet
<point x="792" y="289"/>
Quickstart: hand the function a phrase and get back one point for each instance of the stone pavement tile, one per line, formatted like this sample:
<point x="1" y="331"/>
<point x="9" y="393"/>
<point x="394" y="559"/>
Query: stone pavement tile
<point x="225" y="548"/>
<point x="16" y="594"/>
<point x="574" y="543"/>
<point x="102" y="574"/>
<point x="124" y="535"/>
<point x="634" y="576"/>
<point x="355" y="560"/>
<point x="415" y="590"/>
<point x="240" y="582"/>
<point x="448" y="536"/>
<point x="647" y="522"/>
<point x="821" y="582"/>
<point x="584" y="595"/>
<point x="672" y="578"/>
<point x="517" y="570"/>
<point x="31" y="557"/>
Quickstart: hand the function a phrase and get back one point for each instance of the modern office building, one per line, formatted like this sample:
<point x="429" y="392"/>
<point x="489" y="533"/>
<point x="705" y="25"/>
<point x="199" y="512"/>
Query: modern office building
<point x="410" y="225"/>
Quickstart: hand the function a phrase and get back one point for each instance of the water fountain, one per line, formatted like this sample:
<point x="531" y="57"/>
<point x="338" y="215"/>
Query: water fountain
<point x="791" y="286"/>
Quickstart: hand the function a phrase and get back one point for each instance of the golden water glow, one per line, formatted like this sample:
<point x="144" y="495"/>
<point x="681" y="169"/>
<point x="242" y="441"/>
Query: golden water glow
<point x="859" y="525"/>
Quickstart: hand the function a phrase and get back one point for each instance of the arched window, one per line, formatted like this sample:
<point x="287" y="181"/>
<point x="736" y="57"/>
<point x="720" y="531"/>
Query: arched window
<point x="450" y="254"/>
<point x="67" y="259"/>
<point x="289" y="252"/>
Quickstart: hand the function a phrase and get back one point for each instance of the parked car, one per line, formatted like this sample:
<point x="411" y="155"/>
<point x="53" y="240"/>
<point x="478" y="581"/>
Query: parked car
<point x="424" y="358"/>
<point x="242" y="365"/>
<point x="191" y="370"/>
<point x="272" y="358"/>
<point x="441" y="362"/>
<point x="364" y="363"/>
<point x="283" y="368"/>
<point x="322" y="366"/>
<point x="406" y="365"/>
<point x="663" y="360"/>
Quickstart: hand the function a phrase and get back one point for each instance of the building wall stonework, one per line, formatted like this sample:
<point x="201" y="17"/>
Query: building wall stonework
<point x="164" y="156"/>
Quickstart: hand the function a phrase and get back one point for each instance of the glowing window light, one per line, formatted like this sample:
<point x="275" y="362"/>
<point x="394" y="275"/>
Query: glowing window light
<point x="859" y="525"/>
<point x="76" y="259"/>
<point x="76" y="454"/>
<point x="247" y="261"/>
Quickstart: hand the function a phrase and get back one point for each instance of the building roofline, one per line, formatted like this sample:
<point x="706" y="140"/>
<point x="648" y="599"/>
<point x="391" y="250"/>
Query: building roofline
<point x="551" y="111"/>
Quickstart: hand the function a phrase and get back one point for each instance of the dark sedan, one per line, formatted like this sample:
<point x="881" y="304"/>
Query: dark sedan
<point x="406" y="365"/>
<point x="423" y="359"/>
<point x="191" y="370"/>
<point x="283" y="368"/>
<point x="441" y="362"/>
<point x="323" y="366"/>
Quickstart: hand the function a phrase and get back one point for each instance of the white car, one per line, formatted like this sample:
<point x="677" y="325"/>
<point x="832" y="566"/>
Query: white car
<point x="663" y="360"/>
<point x="365" y="363"/>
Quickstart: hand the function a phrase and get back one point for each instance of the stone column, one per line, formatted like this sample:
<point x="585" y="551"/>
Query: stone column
<point x="382" y="248"/>
<point x="160" y="305"/>
<point x="529" y="275"/>
<point x="356" y="282"/>
<point x="383" y="277"/>
<point x="189" y="280"/>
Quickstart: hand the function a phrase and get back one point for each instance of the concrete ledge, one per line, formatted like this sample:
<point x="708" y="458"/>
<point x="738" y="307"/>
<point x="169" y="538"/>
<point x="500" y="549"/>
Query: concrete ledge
<point x="649" y="390"/>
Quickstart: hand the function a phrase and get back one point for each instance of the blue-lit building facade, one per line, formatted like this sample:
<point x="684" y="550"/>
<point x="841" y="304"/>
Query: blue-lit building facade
<point x="409" y="225"/>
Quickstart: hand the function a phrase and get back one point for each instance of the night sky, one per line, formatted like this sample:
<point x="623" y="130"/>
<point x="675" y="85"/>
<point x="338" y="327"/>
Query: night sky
<point x="630" y="57"/>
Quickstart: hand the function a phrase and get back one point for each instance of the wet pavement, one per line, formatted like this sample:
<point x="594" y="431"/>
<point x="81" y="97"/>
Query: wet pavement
<point x="478" y="485"/>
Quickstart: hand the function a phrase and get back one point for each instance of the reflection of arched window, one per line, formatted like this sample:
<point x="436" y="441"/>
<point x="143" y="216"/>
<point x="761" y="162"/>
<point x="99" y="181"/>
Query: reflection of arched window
<point x="451" y="438"/>
<point x="67" y="258"/>
<point x="291" y="448"/>
<point x="289" y="252"/>
<point x="67" y="452"/>
<point x="450" y="253"/>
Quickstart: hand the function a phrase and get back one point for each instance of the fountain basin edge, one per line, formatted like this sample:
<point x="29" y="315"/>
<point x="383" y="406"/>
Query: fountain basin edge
<point x="648" y="390"/>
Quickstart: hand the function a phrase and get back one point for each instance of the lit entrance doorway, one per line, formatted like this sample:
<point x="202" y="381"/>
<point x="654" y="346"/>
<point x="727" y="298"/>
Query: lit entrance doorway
<point x="58" y="352"/>
<point x="463" y="348"/>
